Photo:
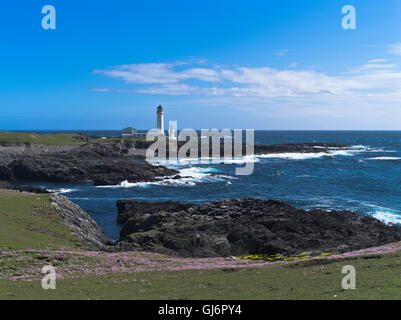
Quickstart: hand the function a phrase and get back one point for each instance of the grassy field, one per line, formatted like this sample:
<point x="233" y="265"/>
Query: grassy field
<point x="60" y="139"/>
<point x="376" y="278"/>
<point x="28" y="221"/>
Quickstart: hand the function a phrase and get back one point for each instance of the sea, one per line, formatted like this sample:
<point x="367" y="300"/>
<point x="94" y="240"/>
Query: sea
<point x="366" y="178"/>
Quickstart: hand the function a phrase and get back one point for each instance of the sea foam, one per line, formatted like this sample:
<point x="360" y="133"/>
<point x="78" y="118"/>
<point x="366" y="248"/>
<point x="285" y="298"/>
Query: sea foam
<point x="387" y="216"/>
<point x="385" y="158"/>
<point x="188" y="177"/>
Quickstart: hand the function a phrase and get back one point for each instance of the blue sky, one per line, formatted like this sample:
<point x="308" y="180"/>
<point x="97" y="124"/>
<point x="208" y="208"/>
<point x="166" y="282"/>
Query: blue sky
<point x="270" y="64"/>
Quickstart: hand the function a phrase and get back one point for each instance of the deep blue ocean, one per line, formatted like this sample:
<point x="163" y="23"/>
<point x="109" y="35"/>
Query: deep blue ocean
<point x="365" y="179"/>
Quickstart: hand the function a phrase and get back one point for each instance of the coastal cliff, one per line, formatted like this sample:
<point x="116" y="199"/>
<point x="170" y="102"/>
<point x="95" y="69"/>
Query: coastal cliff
<point x="83" y="226"/>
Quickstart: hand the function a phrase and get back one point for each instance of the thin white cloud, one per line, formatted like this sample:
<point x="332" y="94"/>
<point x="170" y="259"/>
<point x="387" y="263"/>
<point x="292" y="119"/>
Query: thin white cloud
<point x="150" y="73"/>
<point x="172" y="89"/>
<point x="377" y="80"/>
<point x="377" y="60"/>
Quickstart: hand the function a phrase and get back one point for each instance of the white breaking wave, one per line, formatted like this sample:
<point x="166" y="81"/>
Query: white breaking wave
<point x="187" y="177"/>
<point x="384" y="158"/>
<point x="332" y="152"/>
<point x="362" y="148"/>
<point x="305" y="156"/>
<point x="61" y="190"/>
<point x="257" y="158"/>
<point x="387" y="216"/>
<point x="356" y="148"/>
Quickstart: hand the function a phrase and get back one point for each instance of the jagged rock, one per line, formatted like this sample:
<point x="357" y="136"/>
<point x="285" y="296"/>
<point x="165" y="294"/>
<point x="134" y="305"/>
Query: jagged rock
<point x="118" y="148"/>
<point x="127" y="207"/>
<point x="67" y="168"/>
<point x="83" y="226"/>
<point x="245" y="226"/>
<point x="298" y="147"/>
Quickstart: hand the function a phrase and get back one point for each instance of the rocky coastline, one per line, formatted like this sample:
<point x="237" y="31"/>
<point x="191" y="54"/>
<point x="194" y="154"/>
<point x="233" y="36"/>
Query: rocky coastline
<point x="108" y="163"/>
<point x="245" y="226"/>
<point x="102" y="163"/>
<point x="223" y="228"/>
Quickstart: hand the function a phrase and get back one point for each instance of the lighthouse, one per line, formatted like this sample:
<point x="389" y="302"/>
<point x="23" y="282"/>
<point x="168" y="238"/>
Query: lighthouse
<point x="160" y="118"/>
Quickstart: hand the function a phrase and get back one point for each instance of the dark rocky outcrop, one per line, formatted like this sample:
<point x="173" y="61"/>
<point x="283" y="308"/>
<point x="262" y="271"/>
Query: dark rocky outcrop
<point x="298" y="147"/>
<point x="100" y="163"/>
<point x="115" y="149"/>
<point x="246" y="226"/>
<point x="104" y="172"/>
<point x="126" y="208"/>
<point x="83" y="226"/>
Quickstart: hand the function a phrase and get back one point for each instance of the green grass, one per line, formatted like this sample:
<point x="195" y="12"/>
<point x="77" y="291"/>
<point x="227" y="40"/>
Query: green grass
<point x="377" y="278"/>
<point x="60" y="139"/>
<point x="29" y="221"/>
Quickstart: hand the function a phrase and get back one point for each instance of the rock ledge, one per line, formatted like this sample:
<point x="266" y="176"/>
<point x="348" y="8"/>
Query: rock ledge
<point x="84" y="227"/>
<point x="245" y="226"/>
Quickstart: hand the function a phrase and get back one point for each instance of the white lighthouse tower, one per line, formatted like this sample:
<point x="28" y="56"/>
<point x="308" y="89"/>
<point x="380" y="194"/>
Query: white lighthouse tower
<point x="160" y="118"/>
